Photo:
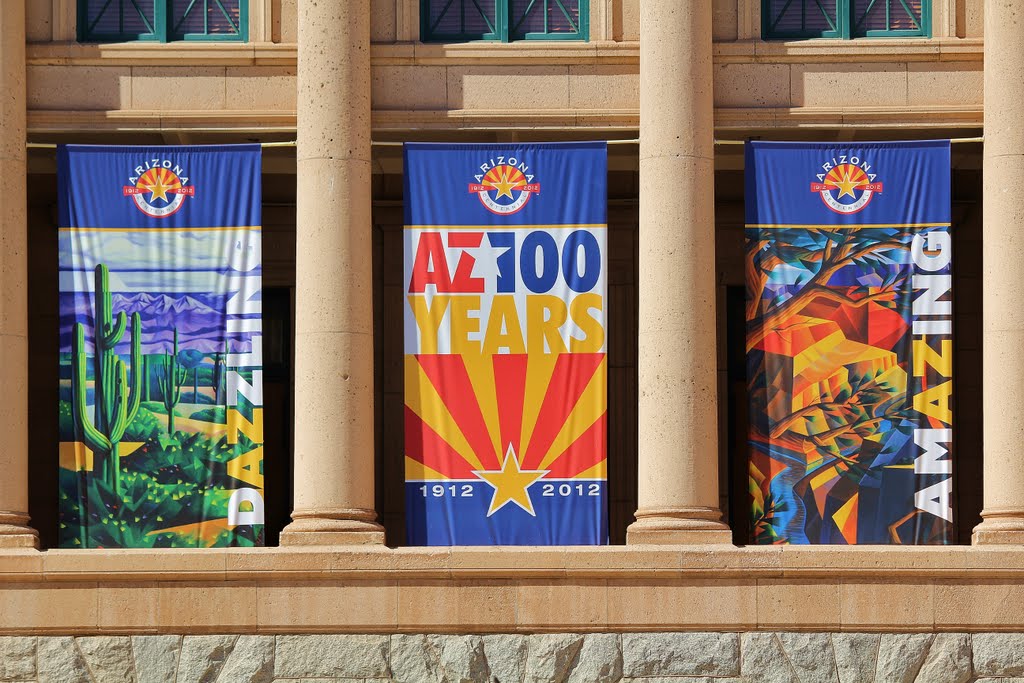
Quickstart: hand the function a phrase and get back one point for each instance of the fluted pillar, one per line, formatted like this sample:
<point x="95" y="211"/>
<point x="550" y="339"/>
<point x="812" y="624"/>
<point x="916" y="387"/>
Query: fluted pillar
<point x="678" y="445"/>
<point x="334" y="456"/>
<point x="1003" y="284"/>
<point x="14" y="529"/>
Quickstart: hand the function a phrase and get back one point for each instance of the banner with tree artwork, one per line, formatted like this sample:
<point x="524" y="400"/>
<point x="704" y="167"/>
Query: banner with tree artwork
<point x="161" y="392"/>
<point x="849" y="342"/>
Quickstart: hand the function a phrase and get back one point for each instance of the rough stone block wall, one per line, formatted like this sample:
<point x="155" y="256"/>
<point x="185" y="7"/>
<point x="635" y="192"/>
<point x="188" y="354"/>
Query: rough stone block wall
<point x="760" y="657"/>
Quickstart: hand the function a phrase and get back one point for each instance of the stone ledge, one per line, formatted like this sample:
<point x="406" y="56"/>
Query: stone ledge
<point x="42" y="122"/>
<point x="582" y="562"/>
<point x="703" y="657"/>
<point x="408" y="590"/>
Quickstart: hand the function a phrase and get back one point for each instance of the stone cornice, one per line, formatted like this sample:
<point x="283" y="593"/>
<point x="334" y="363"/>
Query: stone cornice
<point x="43" y="122"/>
<point x="523" y="53"/>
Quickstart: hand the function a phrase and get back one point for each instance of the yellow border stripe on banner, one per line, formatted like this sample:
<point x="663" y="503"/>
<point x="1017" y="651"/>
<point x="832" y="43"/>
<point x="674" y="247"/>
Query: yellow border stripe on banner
<point x="598" y="471"/>
<point x="560" y="226"/>
<point x="221" y="229"/>
<point x="417" y="471"/>
<point x="832" y="226"/>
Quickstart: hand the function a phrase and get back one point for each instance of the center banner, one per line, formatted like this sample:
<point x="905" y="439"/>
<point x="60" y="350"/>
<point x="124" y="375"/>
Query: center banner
<point x="505" y="354"/>
<point x="849" y="342"/>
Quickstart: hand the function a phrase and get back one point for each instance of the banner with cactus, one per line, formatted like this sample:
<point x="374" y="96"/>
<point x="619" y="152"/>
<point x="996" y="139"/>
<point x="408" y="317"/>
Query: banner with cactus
<point x="161" y="384"/>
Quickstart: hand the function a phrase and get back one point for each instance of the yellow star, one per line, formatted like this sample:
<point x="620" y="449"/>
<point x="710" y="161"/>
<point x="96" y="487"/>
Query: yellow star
<point x="503" y="186"/>
<point x="158" y="189"/>
<point x="511" y="483"/>
<point x="845" y="185"/>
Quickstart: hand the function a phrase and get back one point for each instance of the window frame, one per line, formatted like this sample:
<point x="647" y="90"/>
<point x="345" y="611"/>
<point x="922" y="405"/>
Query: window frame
<point x="162" y="27"/>
<point x="845" y="24"/>
<point x="502" y="28"/>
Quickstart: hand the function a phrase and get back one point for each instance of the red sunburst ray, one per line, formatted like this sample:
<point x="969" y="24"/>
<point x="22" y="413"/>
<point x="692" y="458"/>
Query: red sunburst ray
<point x="584" y="453"/>
<point x="569" y="379"/>
<point x="451" y="381"/>
<point x="424" y="445"/>
<point x="510" y="386"/>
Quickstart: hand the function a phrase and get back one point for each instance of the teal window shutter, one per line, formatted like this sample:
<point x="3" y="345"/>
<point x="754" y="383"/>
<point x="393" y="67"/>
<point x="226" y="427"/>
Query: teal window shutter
<point x="458" y="20"/>
<point x="796" y="19"/>
<point x="504" y="20"/>
<point x="209" y="20"/>
<point x="108" y="21"/>
<point x="548" y="19"/>
<point x="793" y="19"/>
<point x="893" y="18"/>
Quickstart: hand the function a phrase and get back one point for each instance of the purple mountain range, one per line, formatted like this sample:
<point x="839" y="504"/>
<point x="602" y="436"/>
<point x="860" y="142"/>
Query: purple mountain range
<point x="198" y="319"/>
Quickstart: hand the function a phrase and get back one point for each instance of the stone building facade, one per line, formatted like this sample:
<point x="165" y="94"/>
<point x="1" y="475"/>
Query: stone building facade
<point x="678" y="596"/>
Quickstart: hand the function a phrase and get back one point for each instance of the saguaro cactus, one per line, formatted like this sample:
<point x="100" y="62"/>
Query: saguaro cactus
<point x="170" y="380"/>
<point x="219" y="365"/>
<point x="116" y="398"/>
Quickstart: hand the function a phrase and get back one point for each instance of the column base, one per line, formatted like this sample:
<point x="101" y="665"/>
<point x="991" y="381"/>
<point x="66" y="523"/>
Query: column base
<point x="678" y="526"/>
<point x="336" y="526"/>
<point x="15" y="531"/>
<point x="1000" y="526"/>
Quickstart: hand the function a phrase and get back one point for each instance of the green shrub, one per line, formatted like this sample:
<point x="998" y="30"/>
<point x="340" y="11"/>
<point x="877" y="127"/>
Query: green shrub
<point x="216" y="415"/>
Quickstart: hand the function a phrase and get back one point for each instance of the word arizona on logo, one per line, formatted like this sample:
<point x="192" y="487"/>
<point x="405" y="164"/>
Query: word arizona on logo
<point x="165" y="184"/>
<point x="846" y="177"/>
<point x="504" y="185"/>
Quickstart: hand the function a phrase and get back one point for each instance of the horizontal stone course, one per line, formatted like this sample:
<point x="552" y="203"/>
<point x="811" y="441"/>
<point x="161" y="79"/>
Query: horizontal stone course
<point x="665" y="657"/>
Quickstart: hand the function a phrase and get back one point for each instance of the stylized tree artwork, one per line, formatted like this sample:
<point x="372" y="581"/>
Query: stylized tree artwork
<point x="170" y="380"/>
<point x="116" y="391"/>
<point x="822" y="253"/>
<point x="827" y="313"/>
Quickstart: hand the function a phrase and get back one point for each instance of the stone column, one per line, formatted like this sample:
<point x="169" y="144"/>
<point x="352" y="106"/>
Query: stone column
<point x="334" y="455"/>
<point x="1003" y="284"/>
<point x="678" y="449"/>
<point x="14" y="529"/>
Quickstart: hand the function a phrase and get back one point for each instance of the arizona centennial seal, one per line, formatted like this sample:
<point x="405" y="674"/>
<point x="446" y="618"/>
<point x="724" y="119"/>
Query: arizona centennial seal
<point x="508" y="180"/>
<point x="165" y="184"/>
<point x="845" y="177"/>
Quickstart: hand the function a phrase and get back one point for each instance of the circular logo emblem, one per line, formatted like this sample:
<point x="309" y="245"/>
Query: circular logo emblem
<point x="504" y="189"/>
<point x="159" y="190"/>
<point x="847" y="187"/>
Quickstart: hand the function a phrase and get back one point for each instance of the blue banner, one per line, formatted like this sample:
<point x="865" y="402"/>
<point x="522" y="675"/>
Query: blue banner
<point x="161" y="382"/>
<point x="849" y="342"/>
<point x="505" y="352"/>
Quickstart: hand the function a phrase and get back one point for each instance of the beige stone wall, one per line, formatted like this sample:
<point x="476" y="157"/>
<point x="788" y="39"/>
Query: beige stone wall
<point x="698" y="657"/>
<point x="759" y="85"/>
